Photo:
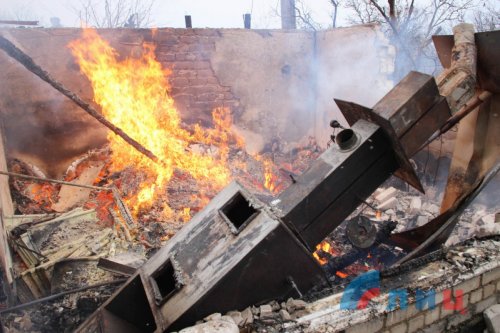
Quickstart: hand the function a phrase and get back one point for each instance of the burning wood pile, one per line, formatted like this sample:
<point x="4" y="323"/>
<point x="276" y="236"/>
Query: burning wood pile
<point x="121" y="213"/>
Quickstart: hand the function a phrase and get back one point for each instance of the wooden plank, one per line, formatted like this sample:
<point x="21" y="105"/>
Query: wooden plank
<point x="6" y="209"/>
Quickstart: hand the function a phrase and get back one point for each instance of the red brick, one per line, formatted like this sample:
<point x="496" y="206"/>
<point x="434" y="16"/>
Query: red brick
<point x="208" y="32"/>
<point x="165" y="57"/>
<point x="201" y="65"/>
<point x="198" y="81"/>
<point x="179" y="81"/>
<point x="205" y="73"/>
<point x="185" y="73"/>
<point x="188" y="39"/>
<point x="213" y="80"/>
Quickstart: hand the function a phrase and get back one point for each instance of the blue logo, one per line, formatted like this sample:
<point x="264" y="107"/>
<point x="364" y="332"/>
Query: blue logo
<point x="360" y="291"/>
<point x="365" y="287"/>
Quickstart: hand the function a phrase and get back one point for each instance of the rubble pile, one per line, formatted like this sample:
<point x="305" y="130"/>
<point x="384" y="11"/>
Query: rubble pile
<point x="456" y="265"/>
<point x="64" y="231"/>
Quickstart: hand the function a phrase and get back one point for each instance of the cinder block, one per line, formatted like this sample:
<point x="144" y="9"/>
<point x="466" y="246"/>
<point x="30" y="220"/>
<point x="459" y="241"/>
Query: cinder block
<point x="492" y="318"/>
<point x="399" y="328"/>
<point x="416" y="323"/>
<point x="468" y="285"/>
<point x="439" y="298"/>
<point x="492" y="275"/>
<point x="458" y="318"/>
<point x="476" y="296"/>
<point x="373" y="325"/>
<point x="484" y="304"/>
<point x="498" y="286"/>
<point x="437" y="327"/>
<point x="432" y="315"/>
<point x="489" y="290"/>
<point x="397" y="316"/>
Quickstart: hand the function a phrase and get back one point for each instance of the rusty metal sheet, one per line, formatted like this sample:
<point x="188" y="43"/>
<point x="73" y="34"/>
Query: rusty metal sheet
<point x="425" y="127"/>
<point x="416" y="94"/>
<point x="488" y="64"/>
<point x="443" y="45"/>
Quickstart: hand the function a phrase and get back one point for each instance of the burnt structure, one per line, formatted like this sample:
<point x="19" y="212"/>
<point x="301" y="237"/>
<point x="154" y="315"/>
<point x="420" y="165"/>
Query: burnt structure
<point x="238" y="251"/>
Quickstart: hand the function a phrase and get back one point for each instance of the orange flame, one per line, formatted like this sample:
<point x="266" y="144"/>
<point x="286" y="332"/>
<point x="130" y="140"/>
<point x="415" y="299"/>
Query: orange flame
<point x="325" y="247"/>
<point x="341" y="274"/>
<point x="134" y="95"/>
<point x="43" y="194"/>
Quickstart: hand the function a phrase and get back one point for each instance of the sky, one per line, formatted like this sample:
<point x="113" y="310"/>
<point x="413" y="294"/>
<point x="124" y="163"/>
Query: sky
<point x="170" y="13"/>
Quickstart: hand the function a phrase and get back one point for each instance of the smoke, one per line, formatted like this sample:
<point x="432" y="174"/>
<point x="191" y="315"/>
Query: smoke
<point x="352" y="64"/>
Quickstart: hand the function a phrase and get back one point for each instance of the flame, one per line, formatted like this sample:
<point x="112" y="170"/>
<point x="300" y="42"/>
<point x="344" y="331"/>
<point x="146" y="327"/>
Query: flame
<point x="324" y="247"/>
<point x="134" y="95"/>
<point x="269" y="177"/>
<point x="43" y="194"/>
<point x="341" y="274"/>
<point x="378" y="214"/>
<point x="186" y="214"/>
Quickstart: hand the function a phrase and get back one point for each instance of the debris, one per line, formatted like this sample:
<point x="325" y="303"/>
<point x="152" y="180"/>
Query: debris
<point x="293" y="305"/>
<point x="213" y="326"/>
<point x="247" y="316"/>
<point x="492" y="318"/>
<point x="236" y="316"/>
<point x="285" y="316"/>
<point x="266" y="311"/>
<point x="386" y="194"/>
<point x="388" y="204"/>
<point x="70" y="196"/>
<point x="415" y="205"/>
<point x="52" y="297"/>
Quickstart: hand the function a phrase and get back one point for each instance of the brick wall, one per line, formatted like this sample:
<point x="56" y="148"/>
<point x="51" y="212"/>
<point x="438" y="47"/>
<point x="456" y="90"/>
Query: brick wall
<point x="480" y="288"/>
<point x="194" y="85"/>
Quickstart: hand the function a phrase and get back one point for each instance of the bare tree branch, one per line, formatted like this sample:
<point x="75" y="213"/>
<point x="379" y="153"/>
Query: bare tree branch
<point x="115" y="13"/>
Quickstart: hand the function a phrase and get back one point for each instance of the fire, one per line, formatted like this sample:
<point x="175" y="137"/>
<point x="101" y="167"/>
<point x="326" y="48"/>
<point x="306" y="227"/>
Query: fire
<point x="270" y="178"/>
<point x="43" y="194"/>
<point x="134" y="95"/>
<point x="321" y="248"/>
<point x="341" y="274"/>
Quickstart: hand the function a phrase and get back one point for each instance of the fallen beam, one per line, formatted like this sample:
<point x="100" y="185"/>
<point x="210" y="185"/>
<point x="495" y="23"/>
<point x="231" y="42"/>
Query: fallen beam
<point x="55" y="181"/>
<point x="30" y="65"/>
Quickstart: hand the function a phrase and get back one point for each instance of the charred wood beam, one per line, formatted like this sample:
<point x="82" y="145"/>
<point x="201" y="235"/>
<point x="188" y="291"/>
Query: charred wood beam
<point x="30" y="65"/>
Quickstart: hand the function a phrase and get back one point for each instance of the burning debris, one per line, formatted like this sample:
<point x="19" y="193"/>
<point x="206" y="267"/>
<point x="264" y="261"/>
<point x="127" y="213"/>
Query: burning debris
<point x="158" y="210"/>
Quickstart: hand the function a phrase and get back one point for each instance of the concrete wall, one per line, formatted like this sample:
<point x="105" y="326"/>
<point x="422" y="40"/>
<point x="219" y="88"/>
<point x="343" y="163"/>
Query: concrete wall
<point x="278" y="84"/>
